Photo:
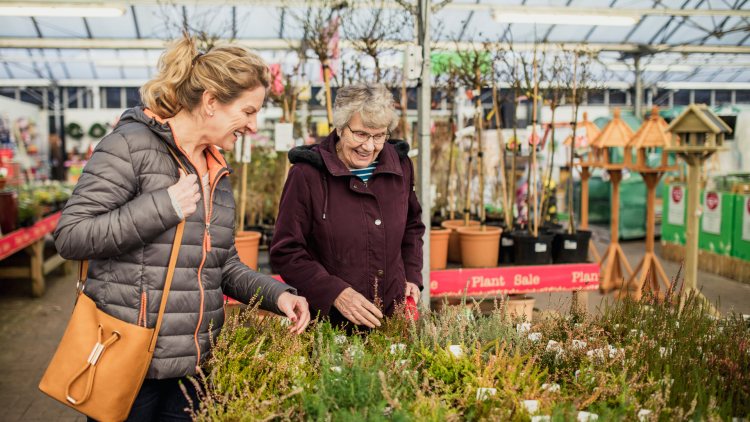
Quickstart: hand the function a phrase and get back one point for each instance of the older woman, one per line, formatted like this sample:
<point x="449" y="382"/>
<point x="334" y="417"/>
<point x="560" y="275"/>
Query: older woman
<point x="349" y="229"/>
<point x="131" y="196"/>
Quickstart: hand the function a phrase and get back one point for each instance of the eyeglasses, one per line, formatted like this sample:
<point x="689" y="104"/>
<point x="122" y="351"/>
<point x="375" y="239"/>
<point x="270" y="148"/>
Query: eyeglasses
<point x="363" y="137"/>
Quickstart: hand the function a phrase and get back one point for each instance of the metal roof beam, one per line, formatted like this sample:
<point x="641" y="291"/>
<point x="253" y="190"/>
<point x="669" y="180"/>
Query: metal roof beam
<point x="280" y="44"/>
<point x="397" y="5"/>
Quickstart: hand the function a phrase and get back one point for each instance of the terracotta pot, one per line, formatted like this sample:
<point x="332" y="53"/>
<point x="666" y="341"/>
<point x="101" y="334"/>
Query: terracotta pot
<point x="247" y="248"/>
<point x="521" y="305"/>
<point x="439" y="248"/>
<point x="479" y="248"/>
<point x="454" y="245"/>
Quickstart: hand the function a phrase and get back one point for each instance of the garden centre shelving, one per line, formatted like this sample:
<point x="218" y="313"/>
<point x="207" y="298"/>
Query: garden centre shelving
<point x="31" y="240"/>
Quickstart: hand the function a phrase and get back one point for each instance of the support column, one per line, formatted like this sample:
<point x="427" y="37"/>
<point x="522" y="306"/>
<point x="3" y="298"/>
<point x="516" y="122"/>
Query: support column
<point x="691" y="233"/>
<point x="637" y="106"/>
<point x="423" y="141"/>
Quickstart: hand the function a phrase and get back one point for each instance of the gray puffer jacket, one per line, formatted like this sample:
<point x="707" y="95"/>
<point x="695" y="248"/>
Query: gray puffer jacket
<point x="121" y="218"/>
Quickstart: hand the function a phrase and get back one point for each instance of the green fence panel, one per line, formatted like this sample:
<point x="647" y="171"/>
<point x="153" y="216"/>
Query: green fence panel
<point x="716" y="228"/>
<point x="741" y="242"/>
<point x="674" y="214"/>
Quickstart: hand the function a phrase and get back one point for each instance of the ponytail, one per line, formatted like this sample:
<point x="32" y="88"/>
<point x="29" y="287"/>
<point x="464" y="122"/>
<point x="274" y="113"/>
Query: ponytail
<point x="184" y="74"/>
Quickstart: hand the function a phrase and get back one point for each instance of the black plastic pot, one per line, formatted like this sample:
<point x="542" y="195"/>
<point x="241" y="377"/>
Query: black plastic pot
<point x="507" y="250"/>
<point x="571" y="248"/>
<point x="531" y="250"/>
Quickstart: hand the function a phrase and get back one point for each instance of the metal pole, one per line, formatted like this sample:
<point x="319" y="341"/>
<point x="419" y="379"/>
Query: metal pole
<point x="423" y="143"/>
<point x="638" y="87"/>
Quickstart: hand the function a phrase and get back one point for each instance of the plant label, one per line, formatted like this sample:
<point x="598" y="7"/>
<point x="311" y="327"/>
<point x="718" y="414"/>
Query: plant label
<point x="540" y="247"/>
<point x="711" y="219"/>
<point x="676" y="214"/>
<point x="485" y="393"/>
<point x="570" y="244"/>
<point x="531" y="405"/>
<point x="506" y="242"/>
<point x="284" y="136"/>
<point x="746" y="219"/>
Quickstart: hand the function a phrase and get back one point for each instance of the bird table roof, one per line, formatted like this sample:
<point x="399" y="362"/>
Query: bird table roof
<point x="651" y="133"/>
<point x="616" y="133"/>
<point x="592" y="131"/>
<point x="704" y="117"/>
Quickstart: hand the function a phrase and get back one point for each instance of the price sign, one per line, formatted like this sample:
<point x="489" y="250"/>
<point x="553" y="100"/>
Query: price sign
<point x="283" y="136"/>
<point x="711" y="220"/>
<point x="676" y="206"/>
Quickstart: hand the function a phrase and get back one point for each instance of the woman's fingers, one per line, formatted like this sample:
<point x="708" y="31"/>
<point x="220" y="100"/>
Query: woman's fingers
<point x="372" y="308"/>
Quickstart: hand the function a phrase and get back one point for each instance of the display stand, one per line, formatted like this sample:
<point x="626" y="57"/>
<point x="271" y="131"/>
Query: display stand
<point x="649" y="136"/>
<point x="31" y="240"/>
<point x="616" y="134"/>
<point x="702" y="133"/>
<point x="585" y="162"/>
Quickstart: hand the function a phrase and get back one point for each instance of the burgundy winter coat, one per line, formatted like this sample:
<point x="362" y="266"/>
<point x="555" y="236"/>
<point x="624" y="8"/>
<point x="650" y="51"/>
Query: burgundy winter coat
<point x="334" y="231"/>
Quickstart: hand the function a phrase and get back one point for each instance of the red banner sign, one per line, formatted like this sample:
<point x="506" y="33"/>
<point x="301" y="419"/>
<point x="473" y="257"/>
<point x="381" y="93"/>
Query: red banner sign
<point x="512" y="280"/>
<point x="19" y="239"/>
<point x="509" y="280"/>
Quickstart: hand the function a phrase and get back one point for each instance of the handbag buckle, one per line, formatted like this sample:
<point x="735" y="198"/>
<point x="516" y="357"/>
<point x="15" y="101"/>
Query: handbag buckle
<point x="79" y="286"/>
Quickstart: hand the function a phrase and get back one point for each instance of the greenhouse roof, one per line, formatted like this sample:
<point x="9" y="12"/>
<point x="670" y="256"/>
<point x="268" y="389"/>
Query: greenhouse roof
<point x="686" y="44"/>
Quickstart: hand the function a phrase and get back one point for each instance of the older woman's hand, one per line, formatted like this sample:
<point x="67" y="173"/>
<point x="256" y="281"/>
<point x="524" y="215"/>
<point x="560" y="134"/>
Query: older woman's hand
<point x="357" y="309"/>
<point x="413" y="291"/>
<point x="295" y="307"/>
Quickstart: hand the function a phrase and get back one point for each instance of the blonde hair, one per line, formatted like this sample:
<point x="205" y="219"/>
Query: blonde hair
<point x="226" y="71"/>
<point x="373" y="101"/>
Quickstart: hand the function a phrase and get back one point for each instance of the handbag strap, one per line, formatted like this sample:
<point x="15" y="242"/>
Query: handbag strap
<point x="84" y="265"/>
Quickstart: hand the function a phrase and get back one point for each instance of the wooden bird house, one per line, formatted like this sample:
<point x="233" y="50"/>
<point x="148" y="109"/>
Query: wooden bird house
<point x="699" y="129"/>
<point x="586" y="133"/>
<point x="611" y="150"/>
<point x="651" y="138"/>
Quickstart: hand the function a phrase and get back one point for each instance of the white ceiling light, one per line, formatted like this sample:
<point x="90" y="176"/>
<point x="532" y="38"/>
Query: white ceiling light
<point x="62" y="11"/>
<point x="560" y="16"/>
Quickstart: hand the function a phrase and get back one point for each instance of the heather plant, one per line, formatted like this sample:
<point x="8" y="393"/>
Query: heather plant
<point x="663" y="358"/>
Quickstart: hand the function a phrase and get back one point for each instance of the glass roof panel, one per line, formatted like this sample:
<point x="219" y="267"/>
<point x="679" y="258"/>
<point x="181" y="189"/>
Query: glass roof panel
<point x="61" y="27"/>
<point x="119" y="27"/>
<point x="16" y="26"/>
<point x="80" y="70"/>
<point x="263" y="22"/>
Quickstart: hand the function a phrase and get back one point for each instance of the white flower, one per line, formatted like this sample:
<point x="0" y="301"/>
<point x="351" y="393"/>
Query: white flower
<point x="578" y="344"/>
<point x="397" y="348"/>
<point x="456" y="350"/>
<point x="535" y="337"/>
<point x="336" y="369"/>
<point x="485" y="393"/>
<point x="526" y="326"/>
<point x="543" y="418"/>
<point x="586" y="416"/>
<point x="642" y="414"/>
<point x="551" y="387"/>
<point x="531" y="405"/>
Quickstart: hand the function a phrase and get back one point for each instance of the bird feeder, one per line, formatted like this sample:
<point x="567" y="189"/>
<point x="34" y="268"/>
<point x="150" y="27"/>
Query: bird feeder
<point x="650" y="139"/>
<point x="613" y="138"/>
<point x="702" y="134"/>
<point x="590" y="132"/>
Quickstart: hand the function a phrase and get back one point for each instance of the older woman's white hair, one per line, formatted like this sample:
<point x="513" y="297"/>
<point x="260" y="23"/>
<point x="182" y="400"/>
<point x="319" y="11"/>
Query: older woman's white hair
<point x="374" y="102"/>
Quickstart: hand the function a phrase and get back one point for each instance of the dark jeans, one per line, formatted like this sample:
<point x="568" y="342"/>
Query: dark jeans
<point x="162" y="401"/>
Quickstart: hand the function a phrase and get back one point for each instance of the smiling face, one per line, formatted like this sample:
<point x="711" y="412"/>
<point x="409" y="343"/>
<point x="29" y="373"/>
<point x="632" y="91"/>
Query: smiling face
<point x="357" y="155"/>
<point x="230" y="121"/>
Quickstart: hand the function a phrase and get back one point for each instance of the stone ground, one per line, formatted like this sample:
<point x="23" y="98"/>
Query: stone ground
<point x="30" y="330"/>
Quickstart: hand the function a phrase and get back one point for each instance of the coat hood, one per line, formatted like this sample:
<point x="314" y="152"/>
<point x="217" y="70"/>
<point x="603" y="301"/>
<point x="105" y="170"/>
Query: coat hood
<point x="323" y="155"/>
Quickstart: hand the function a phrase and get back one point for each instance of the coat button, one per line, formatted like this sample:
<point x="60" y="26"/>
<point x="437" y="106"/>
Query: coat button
<point x="355" y="186"/>
<point x="380" y="273"/>
<point x="377" y="222"/>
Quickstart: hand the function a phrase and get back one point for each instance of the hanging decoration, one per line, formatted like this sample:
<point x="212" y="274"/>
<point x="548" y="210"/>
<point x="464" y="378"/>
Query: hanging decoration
<point x="74" y="130"/>
<point x="97" y="131"/>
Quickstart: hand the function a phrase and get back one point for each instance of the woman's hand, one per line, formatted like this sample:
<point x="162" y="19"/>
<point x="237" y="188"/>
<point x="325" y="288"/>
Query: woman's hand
<point x="413" y="291"/>
<point x="354" y="307"/>
<point x="295" y="307"/>
<point x="186" y="193"/>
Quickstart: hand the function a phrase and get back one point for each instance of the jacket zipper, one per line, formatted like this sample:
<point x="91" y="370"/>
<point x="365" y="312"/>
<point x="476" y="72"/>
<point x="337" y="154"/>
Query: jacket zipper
<point x="206" y="249"/>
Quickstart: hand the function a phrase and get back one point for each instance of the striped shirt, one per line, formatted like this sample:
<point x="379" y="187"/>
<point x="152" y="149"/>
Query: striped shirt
<point x="366" y="172"/>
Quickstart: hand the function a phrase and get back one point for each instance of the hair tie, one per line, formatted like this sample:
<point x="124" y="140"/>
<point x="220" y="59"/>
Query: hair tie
<point x="195" y="58"/>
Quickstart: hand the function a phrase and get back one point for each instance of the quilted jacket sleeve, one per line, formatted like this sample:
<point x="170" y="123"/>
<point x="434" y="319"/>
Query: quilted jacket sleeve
<point x="242" y="283"/>
<point x="289" y="254"/>
<point x="412" y="242"/>
<point x="104" y="218"/>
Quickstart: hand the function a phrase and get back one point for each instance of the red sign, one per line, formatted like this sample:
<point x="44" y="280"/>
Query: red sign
<point x="712" y="200"/>
<point x="512" y="280"/>
<point x="677" y="194"/>
<point x="19" y="239"/>
<point x="509" y="280"/>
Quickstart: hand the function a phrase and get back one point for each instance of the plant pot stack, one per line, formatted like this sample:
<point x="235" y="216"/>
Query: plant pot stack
<point x="247" y="248"/>
<point x="439" y="239"/>
<point x="454" y="245"/>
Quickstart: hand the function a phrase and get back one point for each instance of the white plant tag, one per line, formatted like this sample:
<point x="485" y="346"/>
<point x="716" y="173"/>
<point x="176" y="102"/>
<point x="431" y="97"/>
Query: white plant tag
<point x="571" y="244"/>
<point x="506" y="242"/>
<point x="540" y="247"/>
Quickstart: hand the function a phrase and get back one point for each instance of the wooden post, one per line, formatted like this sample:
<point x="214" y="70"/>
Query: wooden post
<point x="532" y="182"/>
<point x="329" y="106"/>
<point x="615" y="257"/>
<point x="36" y="253"/>
<point x="467" y="209"/>
<point x="585" y="176"/>
<point x="243" y="195"/>
<point x="693" y="201"/>
<point x="501" y="143"/>
<point x="480" y="170"/>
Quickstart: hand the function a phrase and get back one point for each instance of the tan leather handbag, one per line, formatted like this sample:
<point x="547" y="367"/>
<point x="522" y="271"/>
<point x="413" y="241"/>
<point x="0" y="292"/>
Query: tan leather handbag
<point x="101" y="362"/>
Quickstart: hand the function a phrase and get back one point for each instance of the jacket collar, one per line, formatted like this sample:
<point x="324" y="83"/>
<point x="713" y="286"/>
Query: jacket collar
<point x="324" y="155"/>
<point x="165" y="131"/>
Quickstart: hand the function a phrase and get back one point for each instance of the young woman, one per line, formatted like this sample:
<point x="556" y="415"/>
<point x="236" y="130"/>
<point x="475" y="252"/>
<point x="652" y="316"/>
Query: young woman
<point x="132" y="194"/>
